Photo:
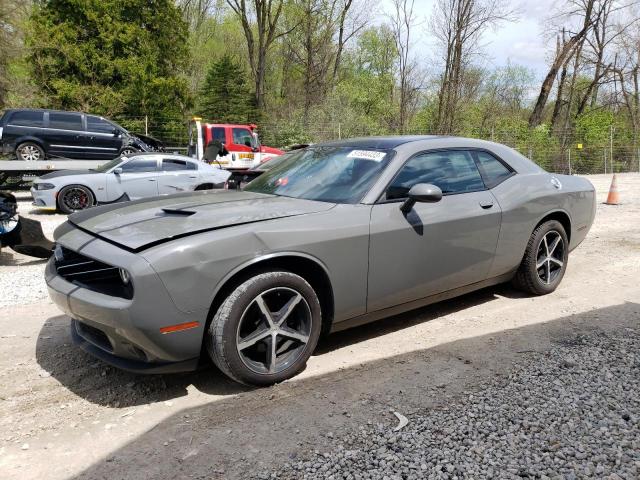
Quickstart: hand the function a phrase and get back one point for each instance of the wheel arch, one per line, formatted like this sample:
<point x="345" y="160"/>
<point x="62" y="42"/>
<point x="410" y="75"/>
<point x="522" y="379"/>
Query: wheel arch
<point x="559" y="215"/>
<point x="304" y="265"/>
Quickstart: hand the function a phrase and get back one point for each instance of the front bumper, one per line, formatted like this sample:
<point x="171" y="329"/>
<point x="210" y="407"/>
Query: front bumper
<point x="122" y="332"/>
<point x="44" y="198"/>
<point x="88" y="342"/>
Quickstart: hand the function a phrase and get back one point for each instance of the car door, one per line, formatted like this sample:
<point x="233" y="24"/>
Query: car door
<point x="104" y="138"/>
<point x="242" y="144"/>
<point x="139" y="177"/>
<point x="434" y="247"/>
<point x="65" y="135"/>
<point x="177" y="175"/>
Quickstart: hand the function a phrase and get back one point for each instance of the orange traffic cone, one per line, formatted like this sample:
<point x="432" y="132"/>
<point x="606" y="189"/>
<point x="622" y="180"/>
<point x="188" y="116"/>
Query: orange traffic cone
<point x="614" y="197"/>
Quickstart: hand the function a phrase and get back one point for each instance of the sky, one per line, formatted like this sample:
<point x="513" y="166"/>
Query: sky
<point x="520" y="42"/>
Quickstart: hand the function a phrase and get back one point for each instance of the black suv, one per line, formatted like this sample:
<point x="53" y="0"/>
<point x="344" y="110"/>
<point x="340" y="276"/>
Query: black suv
<point x="37" y="134"/>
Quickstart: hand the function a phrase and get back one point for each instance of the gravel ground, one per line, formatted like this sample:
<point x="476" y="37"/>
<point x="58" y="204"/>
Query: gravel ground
<point x="22" y="278"/>
<point x="572" y="412"/>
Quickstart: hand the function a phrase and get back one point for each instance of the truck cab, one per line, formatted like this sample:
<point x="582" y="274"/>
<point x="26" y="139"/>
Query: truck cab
<point x="241" y="142"/>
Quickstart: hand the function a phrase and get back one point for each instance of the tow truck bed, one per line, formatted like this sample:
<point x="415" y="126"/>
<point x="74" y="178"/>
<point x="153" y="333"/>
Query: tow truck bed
<point x="17" y="174"/>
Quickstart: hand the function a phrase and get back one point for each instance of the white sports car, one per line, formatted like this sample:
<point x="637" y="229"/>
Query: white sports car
<point x="125" y="178"/>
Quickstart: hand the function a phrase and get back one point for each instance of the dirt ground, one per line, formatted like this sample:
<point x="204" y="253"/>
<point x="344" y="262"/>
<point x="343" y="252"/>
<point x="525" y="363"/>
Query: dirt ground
<point x="66" y="415"/>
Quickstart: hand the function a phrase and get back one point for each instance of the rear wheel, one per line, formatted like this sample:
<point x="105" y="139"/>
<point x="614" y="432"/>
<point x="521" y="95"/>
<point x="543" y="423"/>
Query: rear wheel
<point x="545" y="259"/>
<point x="74" y="198"/>
<point x="266" y="329"/>
<point x="29" y="152"/>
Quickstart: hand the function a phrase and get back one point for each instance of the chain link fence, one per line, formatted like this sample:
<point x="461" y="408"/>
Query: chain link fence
<point x="605" y="151"/>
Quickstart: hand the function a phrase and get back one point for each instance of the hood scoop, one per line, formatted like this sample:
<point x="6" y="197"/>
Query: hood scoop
<point x="175" y="211"/>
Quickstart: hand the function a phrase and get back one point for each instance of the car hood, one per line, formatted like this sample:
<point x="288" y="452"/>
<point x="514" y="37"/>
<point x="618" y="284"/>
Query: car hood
<point x="145" y="223"/>
<point x="65" y="173"/>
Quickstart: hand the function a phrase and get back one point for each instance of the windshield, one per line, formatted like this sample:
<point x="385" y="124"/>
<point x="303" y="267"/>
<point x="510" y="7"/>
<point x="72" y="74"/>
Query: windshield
<point x="278" y="160"/>
<point x="326" y="174"/>
<point x="109" y="165"/>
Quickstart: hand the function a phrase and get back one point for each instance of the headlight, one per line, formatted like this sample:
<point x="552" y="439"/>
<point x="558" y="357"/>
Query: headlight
<point x="124" y="276"/>
<point x="44" y="186"/>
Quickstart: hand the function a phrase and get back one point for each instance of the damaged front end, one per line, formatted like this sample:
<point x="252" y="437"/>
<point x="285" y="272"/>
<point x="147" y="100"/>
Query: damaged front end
<point x="22" y="235"/>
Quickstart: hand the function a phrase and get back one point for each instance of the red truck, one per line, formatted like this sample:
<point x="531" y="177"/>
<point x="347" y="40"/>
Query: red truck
<point x="240" y="141"/>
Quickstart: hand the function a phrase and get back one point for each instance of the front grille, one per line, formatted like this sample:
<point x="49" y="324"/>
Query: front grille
<point x="91" y="274"/>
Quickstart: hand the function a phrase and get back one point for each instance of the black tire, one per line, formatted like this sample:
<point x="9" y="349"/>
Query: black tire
<point x="224" y="333"/>
<point x="74" y="198"/>
<point x="127" y="151"/>
<point x="540" y="280"/>
<point x="30" y="152"/>
<point x="204" y="186"/>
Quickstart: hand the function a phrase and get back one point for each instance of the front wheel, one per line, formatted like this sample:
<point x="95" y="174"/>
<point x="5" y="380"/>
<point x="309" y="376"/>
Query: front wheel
<point x="545" y="259"/>
<point x="128" y="151"/>
<point x="74" y="198"/>
<point x="266" y="329"/>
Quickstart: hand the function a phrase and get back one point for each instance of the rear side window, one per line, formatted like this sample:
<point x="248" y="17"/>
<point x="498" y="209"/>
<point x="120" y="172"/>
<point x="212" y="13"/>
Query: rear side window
<point x="493" y="170"/>
<point x="217" y="133"/>
<point x="65" y="121"/>
<point x="174" y="165"/>
<point x="26" y="119"/>
<point x="453" y="171"/>
<point x="140" y="165"/>
<point x="97" y="124"/>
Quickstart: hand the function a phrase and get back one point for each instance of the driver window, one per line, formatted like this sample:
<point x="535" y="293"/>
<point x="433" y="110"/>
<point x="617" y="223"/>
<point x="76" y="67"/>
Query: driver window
<point x="141" y="165"/>
<point x="242" y="136"/>
<point x="453" y="171"/>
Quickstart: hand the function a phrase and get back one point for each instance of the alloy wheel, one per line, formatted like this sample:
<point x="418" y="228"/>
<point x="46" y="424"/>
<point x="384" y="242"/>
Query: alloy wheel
<point x="274" y="330"/>
<point x="76" y="198"/>
<point x="29" y="153"/>
<point x="550" y="258"/>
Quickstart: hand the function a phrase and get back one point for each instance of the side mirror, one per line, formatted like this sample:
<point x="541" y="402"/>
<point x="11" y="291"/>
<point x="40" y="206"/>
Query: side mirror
<point x="117" y="171"/>
<point x="116" y="132"/>
<point x="423" y="193"/>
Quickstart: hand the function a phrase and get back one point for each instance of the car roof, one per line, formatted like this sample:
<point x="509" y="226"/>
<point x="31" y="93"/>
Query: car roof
<point x="382" y="143"/>
<point x="164" y="155"/>
<point x="54" y="111"/>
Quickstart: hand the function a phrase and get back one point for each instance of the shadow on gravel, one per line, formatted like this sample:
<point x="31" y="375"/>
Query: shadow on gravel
<point x="257" y="431"/>
<point x="102" y="384"/>
<point x="9" y="258"/>
<point x="99" y="383"/>
<point x="414" y="317"/>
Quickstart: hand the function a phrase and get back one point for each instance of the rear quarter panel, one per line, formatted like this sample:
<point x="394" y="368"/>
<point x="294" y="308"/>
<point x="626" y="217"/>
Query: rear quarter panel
<point x="527" y="199"/>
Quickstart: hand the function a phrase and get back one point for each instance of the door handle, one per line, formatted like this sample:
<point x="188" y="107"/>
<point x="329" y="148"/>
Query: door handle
<point x="194" y="176"/>
<point x="486" y="204"/>
<point x="152" y="179"/>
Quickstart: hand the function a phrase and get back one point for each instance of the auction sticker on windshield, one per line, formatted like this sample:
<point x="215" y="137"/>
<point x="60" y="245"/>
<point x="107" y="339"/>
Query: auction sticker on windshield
<point x="367" y="155"/>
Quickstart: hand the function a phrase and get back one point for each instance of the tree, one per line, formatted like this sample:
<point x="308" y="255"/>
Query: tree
<point x="458" y="26"/>
<point x="109" y="56"/>
<point x="259" y="39"/>
<point x="10" y="11"/>
<point x="403" y="21"/>
<point x="565" y="48"/>
<point x="319" y="32"/>
<point x="225" y="96"/>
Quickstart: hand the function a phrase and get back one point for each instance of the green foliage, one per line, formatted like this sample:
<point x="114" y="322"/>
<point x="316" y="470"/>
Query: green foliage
<point x="225" y="96"/>
<point x="110" y="56"/>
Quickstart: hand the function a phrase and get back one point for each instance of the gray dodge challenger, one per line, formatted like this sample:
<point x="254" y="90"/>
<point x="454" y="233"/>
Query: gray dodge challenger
<point x="345" y="233"/>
